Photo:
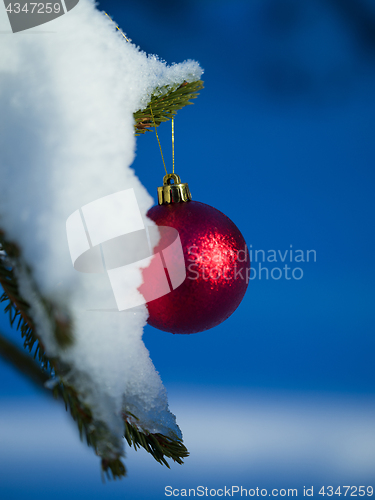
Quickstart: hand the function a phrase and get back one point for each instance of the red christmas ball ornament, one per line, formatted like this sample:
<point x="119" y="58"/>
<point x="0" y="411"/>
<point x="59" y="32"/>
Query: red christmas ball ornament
<point x="214" y="261"/>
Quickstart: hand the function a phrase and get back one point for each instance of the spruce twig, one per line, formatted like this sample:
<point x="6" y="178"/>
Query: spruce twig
<point x="20" y="316"/>
<point x="165" y="104"/>
<point x="157" y="445"/>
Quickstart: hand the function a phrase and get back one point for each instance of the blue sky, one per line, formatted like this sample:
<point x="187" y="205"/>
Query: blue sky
<point x="281" y="141"/>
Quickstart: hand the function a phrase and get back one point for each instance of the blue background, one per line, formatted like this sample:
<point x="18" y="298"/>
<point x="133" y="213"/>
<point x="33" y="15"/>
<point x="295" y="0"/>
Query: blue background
<point x="281" y="141"/>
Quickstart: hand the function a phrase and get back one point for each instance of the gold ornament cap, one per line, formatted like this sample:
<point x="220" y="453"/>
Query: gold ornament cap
<point x="173" y="193"/>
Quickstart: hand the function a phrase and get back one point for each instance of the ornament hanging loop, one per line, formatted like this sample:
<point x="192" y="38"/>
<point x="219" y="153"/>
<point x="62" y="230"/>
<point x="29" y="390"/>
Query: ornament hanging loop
<point x="167" y="179"/>
<point x="173" y="193"/>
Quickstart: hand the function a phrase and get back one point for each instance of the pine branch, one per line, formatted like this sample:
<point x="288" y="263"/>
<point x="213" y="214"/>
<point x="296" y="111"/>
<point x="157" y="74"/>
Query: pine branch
<point x="52" y="374"/>
<point x="165" y="104"/>
<point x="42" y="380"/>
<point x="18" y="309"/>
<point x="157" y="445"/>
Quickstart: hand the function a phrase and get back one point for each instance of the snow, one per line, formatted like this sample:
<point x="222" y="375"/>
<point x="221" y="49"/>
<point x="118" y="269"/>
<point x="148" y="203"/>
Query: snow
<point x="67" y="96"/>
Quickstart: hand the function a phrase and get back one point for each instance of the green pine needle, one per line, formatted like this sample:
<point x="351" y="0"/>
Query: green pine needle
<point x="158" y="445"/>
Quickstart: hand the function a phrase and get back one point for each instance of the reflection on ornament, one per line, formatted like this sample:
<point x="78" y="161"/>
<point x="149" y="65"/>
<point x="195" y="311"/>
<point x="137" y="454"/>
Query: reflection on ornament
<point x="216" y="259"/>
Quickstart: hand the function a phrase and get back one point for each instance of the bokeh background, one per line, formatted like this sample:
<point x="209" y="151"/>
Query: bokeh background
<point x="281" y="395"/>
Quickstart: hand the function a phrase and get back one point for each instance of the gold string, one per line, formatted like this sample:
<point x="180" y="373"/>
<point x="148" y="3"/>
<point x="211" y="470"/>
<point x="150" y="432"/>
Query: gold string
<point x="173" y="142"/>
<point x="117" y="27"/>
<point x="156" y="132"/>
